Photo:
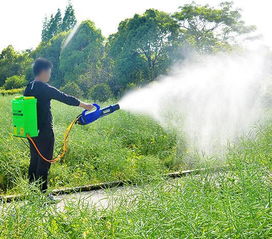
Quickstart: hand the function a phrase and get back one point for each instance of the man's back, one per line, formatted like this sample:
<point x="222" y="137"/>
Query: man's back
<point x="43" y="92"/>
<point x="36" y="89"/>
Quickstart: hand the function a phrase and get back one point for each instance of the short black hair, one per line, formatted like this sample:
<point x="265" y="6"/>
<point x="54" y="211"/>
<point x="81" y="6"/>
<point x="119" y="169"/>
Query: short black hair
<point x="40" y="65"/>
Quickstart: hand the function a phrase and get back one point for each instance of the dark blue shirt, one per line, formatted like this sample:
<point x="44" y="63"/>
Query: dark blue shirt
<point x="44" y="93"/>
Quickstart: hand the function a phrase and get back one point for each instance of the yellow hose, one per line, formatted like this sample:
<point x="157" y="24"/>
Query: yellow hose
<point x="64" y="147"/>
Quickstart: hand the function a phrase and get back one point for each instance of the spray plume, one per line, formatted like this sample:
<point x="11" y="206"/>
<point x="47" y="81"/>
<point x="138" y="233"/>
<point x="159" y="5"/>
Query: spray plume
<point x="211" y="100"/>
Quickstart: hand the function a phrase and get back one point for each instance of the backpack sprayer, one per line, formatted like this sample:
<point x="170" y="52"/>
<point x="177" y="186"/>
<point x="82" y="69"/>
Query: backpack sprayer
<point x="25" y="125"/>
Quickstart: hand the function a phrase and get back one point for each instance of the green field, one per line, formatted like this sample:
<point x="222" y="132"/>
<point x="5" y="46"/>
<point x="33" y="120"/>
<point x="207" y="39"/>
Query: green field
<point x="233" y="203"/>
<point x="197" y="65"/>
<point x="118" y="147"/>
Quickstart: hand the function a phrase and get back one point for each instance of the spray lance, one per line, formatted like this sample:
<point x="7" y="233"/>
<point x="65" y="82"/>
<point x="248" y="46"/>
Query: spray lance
<point x="88" y="117"/>
<point x="25" y="125"/>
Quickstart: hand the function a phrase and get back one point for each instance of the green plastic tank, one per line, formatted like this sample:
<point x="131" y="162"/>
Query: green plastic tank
<point x="24" y="116"/>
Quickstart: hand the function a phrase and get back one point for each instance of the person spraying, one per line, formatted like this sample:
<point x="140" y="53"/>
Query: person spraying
<point x="44" y="93"/>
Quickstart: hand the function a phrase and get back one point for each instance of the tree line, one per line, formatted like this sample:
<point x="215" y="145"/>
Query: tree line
<point x="144" y="47"/>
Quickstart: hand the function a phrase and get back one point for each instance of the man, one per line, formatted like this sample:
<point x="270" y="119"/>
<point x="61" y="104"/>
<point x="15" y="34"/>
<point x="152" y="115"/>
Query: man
<point x="44" y="93"/>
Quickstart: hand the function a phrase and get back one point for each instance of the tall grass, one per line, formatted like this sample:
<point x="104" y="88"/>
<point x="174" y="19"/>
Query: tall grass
<point x="234" y="203"/>
<point x="119" y="146"/>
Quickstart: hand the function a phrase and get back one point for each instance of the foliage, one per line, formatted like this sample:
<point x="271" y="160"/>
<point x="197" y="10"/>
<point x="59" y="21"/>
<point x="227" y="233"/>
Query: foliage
<point x="57" y="24"/>
<point x="52" y="26"/>
<point x="144" y="47"/>
<point x="233" y="203"/>
<point x="69" y="19"/>
<point x="71" y="88"/>
<point x="85" y="84"/>
<point x="83" y="53"/>
<point x="11" y="92"/>
<point x="100" y="92"/>
<point x="206" y="28"/>
<point x="140" y="49"/>
<point x="13" y="63"/>
<point x="52" y="50"/>
<point x="14" y="82"/>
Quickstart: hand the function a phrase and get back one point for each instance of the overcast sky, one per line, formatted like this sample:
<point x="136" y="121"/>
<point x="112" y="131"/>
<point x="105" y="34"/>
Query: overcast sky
<point x="21" y="20"/>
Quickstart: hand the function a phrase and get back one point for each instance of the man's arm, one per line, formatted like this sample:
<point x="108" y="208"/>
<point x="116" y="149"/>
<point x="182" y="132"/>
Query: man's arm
<point x="86" y="106"/>
<point x="53" y="93"/>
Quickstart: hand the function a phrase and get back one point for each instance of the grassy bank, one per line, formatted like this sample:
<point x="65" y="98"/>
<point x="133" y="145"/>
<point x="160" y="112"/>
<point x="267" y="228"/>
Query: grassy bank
<point x="229" y="204"/>
<point x="118" y="147"/>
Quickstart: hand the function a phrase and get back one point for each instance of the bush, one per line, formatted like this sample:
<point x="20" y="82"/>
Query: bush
<point x="11" y="92"/>
<point x="100" y="92"/>
<point x="14" y="82"/>
<point x="72" y="88"/>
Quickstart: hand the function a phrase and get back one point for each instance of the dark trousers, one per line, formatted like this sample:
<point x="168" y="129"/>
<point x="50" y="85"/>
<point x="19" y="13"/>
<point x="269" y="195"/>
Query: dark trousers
<point x="39" y="168"/>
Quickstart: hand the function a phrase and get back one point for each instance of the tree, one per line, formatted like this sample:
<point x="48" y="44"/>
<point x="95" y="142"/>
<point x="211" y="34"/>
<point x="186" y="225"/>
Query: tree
<point x="141" y="47"/>
<point x="52" y="50"/>
<point x="52" y="26"/>
<point x="100" y="92"/>
<point x="83" y="54"/>
<point x="13" y="63"/>
<point x="69" y="19"/>
<point x="45" y="30"/>
<point x="206" y="28"/>
<point x="56" y="24"/>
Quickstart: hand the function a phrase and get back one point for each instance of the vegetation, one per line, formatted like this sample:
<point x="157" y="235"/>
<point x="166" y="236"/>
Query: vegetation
<point x="51" y="50"/>
<point x="72" y="88"/>
<point x="144" y="47"/>
<point x="208" y="29"/>
<point x="230" y="203"/>
<point x="234" y="203"/>
<point x="13" y="63"/>
<point x="57" y="24"/>
<point x="84" y="52"/>
<point x="14" y="82"/>
<point x="88" y="65"/>
<point x="12" y="92"/>
<point x="100" y="92"/>
<point x="118" y="147"/>
<point x="141" y="48"/>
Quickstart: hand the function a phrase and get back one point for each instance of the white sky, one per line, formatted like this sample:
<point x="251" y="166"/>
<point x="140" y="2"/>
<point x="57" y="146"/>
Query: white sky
<point x="21" y="20"/>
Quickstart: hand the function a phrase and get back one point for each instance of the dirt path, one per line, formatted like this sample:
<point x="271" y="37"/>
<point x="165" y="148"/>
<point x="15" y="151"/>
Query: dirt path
<point x="101" y="199"/>
<point x="112" y="194"/>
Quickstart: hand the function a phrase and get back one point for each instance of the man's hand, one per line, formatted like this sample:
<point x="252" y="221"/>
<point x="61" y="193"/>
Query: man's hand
<point x="86" y="106"/>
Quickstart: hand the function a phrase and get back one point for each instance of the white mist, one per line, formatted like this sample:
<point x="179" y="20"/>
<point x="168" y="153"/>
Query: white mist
<point x="211" y="100"/>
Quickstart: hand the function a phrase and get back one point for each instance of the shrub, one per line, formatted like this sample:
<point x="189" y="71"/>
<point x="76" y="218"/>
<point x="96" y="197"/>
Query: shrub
<point x="14" y="82"/>
<point x="11" y="92"/>
<point x="72" y="88"/>
<point x="100" y="92"/>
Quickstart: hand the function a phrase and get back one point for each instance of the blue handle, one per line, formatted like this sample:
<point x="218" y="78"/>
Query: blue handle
<point x="88" y="117"/>
<point x="95" y="105"/>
